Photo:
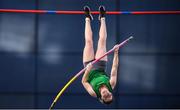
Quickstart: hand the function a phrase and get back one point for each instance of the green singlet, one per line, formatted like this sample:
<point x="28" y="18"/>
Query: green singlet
<point x="97" y="78"/>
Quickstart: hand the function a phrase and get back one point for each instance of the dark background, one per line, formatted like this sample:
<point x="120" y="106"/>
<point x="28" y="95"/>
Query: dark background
<point x="39" y="53"/>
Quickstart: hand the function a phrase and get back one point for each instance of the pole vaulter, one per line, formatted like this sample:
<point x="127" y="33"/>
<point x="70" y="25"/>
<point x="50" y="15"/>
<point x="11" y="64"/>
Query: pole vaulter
<point x="82" y="71"/>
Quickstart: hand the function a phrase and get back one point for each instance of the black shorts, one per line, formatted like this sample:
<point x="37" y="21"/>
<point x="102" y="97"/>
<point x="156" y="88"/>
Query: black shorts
<point x="100" y="65"/>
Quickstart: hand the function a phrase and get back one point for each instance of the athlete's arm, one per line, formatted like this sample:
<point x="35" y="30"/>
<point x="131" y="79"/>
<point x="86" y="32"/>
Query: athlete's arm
<point x="113" y="78"/>
<point x="86" y="84"/>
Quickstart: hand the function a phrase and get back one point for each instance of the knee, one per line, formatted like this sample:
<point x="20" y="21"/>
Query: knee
<point x="89" y="33"/>
<point x="102" y="40"/>
<point x="89" y="42"/>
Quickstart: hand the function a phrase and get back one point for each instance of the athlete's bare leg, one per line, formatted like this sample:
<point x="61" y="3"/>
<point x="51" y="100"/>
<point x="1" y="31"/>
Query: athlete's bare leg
<point x="88" y="53"/>
<point x="101" y="49"/>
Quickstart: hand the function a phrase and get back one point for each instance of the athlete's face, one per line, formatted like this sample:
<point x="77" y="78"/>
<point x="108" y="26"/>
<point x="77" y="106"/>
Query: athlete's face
<point x="106" y="95"/>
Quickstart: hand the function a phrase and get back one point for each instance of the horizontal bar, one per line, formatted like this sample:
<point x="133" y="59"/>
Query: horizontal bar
<point x="82" y="12"/>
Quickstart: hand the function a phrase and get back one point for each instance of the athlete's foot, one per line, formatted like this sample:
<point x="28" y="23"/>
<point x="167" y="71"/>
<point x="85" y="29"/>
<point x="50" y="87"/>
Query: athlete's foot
<point x="87" y="12"/>
<point x="102" y="12"/>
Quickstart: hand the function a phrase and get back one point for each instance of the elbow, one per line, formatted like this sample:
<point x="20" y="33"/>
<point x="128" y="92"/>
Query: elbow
<point x="93" y="94"/>
<point x="113" y="85"/>
<point x="82" y="81"/>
